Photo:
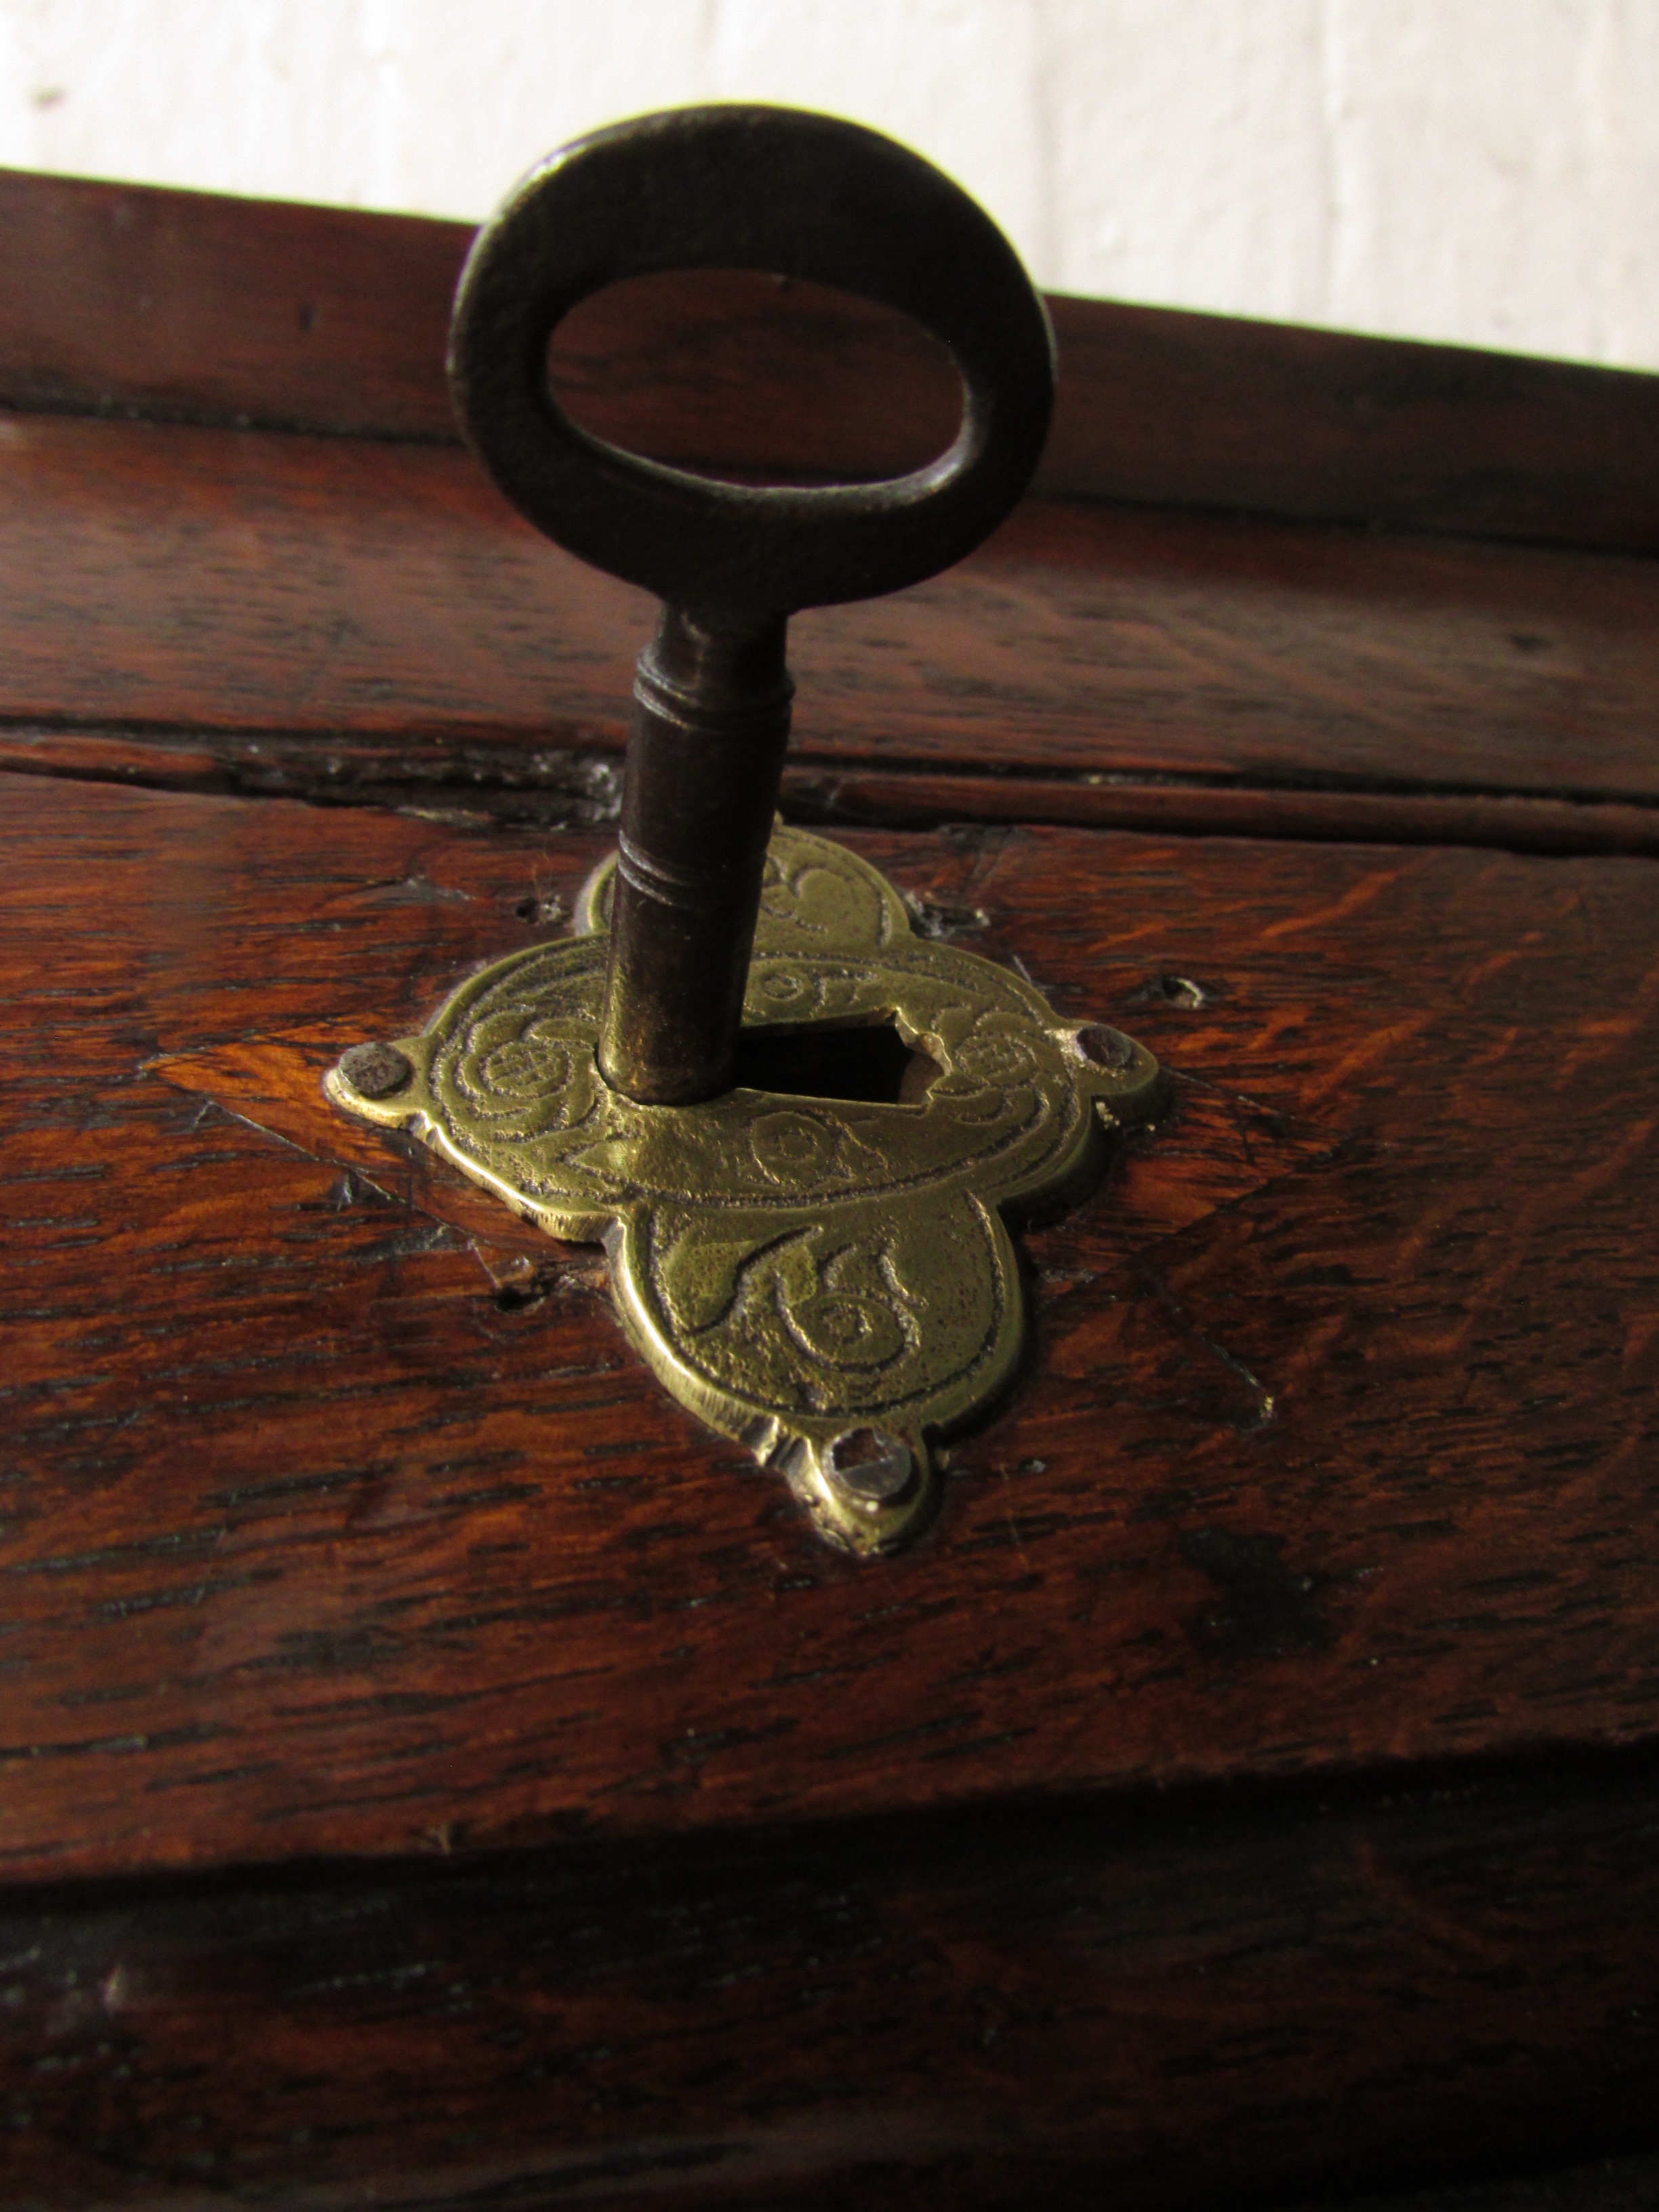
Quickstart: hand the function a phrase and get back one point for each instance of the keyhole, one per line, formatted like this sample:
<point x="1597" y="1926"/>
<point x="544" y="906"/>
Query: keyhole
<point x="869" y="1064"/>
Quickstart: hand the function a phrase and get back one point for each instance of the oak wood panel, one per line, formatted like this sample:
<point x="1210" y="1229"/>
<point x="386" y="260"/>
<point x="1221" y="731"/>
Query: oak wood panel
<point x="227" y="580"/>
<point x="124" y="299"/>
<point x="342" y="1520"/>
<point x="1220" y="412"/>
<point x="1215" y="2000"/>
<point x="178" y="304"/>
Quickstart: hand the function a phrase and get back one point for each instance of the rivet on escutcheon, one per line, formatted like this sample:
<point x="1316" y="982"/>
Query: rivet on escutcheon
<point x="869" y="1466"/>
<point x="376" y="1071"/>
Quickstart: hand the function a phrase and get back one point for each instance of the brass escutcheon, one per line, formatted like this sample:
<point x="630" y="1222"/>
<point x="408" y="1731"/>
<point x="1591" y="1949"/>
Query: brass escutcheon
<point x="830" y="1281"/>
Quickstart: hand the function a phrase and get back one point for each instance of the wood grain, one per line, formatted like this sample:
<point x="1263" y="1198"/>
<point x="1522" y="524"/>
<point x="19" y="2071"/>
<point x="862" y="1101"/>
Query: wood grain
<point x="434" y="1771"/>
<point x="1215" y="411"/>
<point x="224" y="581"/>
<point x="187" y="306"/>
<point x="343" y="1522"/>
<point x="1189" y="805"/>
<point x="121" y="299"/>
<point x="1208" y="2000"/>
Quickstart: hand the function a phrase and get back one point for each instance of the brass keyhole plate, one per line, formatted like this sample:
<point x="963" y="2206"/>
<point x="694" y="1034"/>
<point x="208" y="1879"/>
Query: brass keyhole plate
<point x="829" y="1281"/>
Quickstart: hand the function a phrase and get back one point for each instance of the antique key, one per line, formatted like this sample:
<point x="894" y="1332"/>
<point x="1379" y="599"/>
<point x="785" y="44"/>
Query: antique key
<point x="827" y="1278"/>
<point x="805" y="197"/>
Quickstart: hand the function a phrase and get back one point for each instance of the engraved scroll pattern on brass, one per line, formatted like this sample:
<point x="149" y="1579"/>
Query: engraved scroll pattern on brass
<point x="804" y="1273"/>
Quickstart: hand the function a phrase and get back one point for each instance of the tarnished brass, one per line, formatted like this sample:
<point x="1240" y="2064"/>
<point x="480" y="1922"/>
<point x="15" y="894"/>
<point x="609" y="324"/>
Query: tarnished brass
<point x="828" y="1280"/>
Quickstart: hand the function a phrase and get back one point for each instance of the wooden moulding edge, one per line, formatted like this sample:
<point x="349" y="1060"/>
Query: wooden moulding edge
<point x="1276" y="1989"/>
<point x="166" y="304"/>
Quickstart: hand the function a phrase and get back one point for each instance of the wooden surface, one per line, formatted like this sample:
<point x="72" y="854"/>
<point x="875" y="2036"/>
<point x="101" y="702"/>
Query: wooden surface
<point x="482" y="779"/>
<point x="237" y="586"/>
<point x="1213" y="2001"/>
<point x="437" y="1772"/>
<point x="124" y="300"/>
<point x="345" y="1521"/>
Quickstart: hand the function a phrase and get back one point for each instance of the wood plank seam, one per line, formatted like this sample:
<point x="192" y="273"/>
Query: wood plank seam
<point x="555" y="788"/>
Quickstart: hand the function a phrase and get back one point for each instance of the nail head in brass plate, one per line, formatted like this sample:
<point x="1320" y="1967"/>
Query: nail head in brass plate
<point x="828" y="1280"/>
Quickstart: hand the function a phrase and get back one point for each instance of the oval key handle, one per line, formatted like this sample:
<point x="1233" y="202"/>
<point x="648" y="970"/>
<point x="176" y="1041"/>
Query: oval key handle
<point x="799" y="195"/>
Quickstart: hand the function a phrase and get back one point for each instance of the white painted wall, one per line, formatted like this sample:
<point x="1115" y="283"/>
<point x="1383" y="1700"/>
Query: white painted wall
<point x="1479" y="170"/>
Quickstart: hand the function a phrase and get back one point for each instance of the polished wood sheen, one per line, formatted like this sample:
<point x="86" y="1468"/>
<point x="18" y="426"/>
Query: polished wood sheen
<point x="238" y="585"/>
<point x="1184" y="2002"/>
<point x="126" y="299"/>
<point x="347" y="1499"/>
<point x="437" y="1771"/>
